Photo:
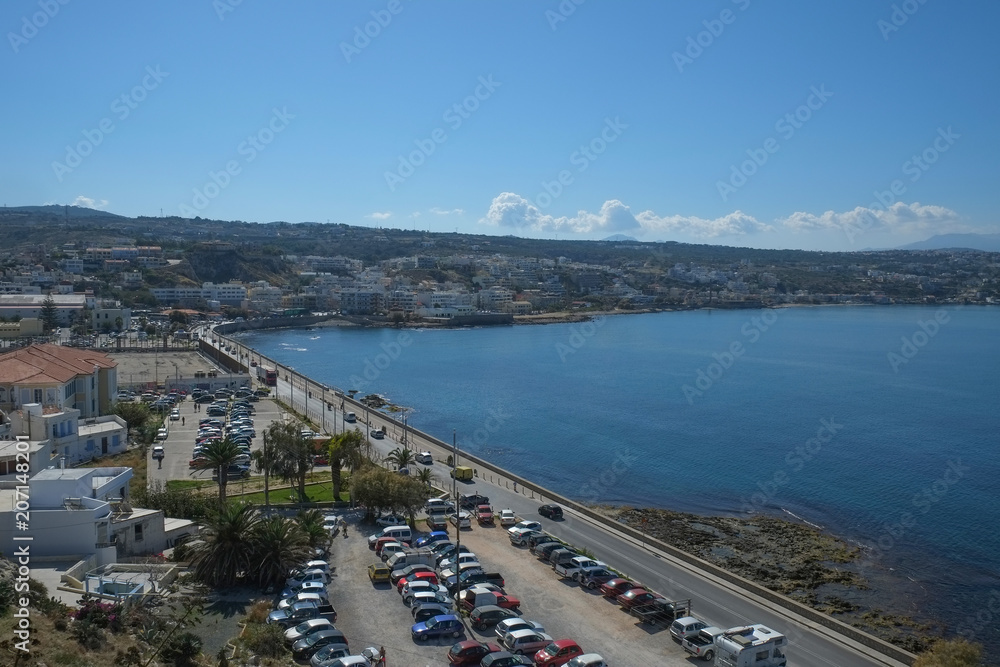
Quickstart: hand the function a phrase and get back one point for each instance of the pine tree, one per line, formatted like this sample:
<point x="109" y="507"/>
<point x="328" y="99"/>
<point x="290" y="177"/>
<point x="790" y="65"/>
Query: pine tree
<point x="49" y="315"/>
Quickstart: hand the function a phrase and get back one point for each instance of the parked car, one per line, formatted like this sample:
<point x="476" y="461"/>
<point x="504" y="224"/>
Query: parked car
<point x="308" y="587"/>
<point x="318" y="598"/>
<point x="687" y="626"/>
<point x="388" y="550"/>
<point x="545" y="549"/>
<point x="308" y="575"/>
<point x="505" y="659"/>
<point x="594" y="577"/>
<point x="379" y="574"/>
<point x="473" y="501"/>
<point x="558" y="653"/>
<point x="427" y="596"/>
<point x="305" y="647"/>
<point x="551" y="511"/>
<point x="470" y="652"/>
<point x="522" y="526"/>
<point x="390" y="520"/>
<point x="431" y="538"/>
<point x="510" y="625"/>
<point x="439" y="505"/>
<point x="306" y="628"/>
<point x="638" y="597"/>
<point x="438" y="626"/>
<point x="328" y="654"/>
<point x="412" y="587"/>
<point x="507" y="518"/>
<point x="615" y="587"/>
<point x="525" y="642"/>
<point x="489" y="615"/>
<point x="422" y="612"/>
<point x="401" y="574"/>
<point x="422" y="574"/>
<point x="587" y="660"/>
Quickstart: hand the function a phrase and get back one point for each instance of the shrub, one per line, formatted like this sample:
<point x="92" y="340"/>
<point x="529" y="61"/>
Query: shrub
<point x="182" y="649"/>
<point x="267" y="641"/>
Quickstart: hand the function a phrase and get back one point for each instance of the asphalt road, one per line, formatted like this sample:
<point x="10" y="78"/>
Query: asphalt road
<point x="713" y="600"/>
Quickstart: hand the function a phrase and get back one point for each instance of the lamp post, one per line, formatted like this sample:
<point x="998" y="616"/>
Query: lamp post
<point x="458" y="506"/>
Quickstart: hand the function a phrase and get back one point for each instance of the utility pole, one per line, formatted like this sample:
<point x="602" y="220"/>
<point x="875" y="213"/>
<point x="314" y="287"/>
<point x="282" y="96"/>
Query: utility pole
<point x="458" y="506"/>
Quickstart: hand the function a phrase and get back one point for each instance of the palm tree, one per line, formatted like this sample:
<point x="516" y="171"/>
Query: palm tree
<point x="425" y="475"/>
<point x="225" y="553"/>
<point x="401" y="457"/>
<point x="311" y="523"/>
<point x="264" y="461"/>
<point x="219" y="455"/>
<point x="345" y="449"/>
<point x="279" y="544"/>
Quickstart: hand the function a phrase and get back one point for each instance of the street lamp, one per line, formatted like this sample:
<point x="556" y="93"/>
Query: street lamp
<point x="458" y="505"/>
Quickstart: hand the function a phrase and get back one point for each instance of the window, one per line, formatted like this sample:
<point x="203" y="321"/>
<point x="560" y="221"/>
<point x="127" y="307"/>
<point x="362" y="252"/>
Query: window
<point x="38" y="396"/>
<point x="138" y="532"/>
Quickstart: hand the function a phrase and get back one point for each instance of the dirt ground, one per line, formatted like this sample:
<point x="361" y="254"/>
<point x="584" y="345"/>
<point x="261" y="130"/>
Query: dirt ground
<point x="143" y="367"/>
<point x="375" y="615"/>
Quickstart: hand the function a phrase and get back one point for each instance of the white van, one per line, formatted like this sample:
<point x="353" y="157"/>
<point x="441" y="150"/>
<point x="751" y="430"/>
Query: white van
<point x="350" y="417"/>
<point x="398" y="533"/>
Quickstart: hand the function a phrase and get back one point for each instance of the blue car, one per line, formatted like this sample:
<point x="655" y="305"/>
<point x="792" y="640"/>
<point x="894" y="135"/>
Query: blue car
<point x="438" y="626"/>
<point x="431" y="538"/>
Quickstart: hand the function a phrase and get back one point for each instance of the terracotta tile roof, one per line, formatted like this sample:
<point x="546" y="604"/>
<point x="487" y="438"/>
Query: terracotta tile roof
<point x="50" y="364"/>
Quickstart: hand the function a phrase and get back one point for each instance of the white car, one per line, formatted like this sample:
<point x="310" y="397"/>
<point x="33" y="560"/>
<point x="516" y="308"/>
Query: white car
<point x="464" y="557"/>
<point x="306" y="628"/>
<point x="507" y="518"/>
<point x="509" y="625"/>
<point x="390" y="520"/>
<point x="175" y="415"/>
<point x="525" y="526"/>
<point x="425" y="458"/>
<point x="307" y="576"/>
<point x="161" y="434"/>
<point x="439" y="506"/>
<point x="449" y="572"/>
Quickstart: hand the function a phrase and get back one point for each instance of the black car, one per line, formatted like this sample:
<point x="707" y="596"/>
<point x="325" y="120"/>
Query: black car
<point x="543" y="550"/>
<point x="551" y="511"/>
<point x="422" y="612"/>
<point x="473" y="501"/>
<point x="489" y="615"/>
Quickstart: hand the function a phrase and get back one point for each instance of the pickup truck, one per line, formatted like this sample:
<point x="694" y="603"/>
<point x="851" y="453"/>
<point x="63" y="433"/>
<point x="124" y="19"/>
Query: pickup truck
<point x="302" y="611"/>
<point x="570" y="569"/>
<point x="661" y="611"/>
<point x="484" y="515"/>
<point x="702" y="645"/>
<point x="471" y="577"/>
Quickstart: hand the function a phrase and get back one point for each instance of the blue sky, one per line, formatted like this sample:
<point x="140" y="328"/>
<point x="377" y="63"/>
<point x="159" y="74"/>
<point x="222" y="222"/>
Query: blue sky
<point x="737" y="122"/>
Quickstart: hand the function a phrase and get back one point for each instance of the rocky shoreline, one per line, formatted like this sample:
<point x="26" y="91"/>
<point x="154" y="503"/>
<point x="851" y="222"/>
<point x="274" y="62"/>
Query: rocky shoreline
<point x="792" y="558"/>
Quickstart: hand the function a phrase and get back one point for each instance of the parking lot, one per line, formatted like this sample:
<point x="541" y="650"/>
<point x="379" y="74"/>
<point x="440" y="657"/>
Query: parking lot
<point x="375" y="615"/>
<point x="181" y="437"/>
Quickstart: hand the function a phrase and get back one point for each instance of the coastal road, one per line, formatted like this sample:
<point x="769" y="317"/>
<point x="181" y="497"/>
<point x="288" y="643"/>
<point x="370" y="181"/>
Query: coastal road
<point x="714" y="600"/>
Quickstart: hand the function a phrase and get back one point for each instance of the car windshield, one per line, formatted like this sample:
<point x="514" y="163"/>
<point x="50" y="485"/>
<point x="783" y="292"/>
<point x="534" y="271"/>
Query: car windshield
<point x="552" y="649"/>
<point x="432" y="622"/>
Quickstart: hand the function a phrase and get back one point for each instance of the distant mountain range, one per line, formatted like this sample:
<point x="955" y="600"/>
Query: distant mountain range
<point x="621" y="237"/>
<point x="983" y="242"/>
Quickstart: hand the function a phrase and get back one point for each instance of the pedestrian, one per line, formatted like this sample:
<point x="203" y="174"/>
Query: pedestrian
<point x="381" y="655"/>
<point x="515" y="487"/>
<point x="182" y="421"/>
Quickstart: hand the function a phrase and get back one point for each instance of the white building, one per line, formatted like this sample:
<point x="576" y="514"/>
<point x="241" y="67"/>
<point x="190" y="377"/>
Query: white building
<point x="86" y="513"/>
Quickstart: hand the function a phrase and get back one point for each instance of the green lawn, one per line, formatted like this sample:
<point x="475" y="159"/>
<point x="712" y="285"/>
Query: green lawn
<point x="317" y="493"/>
<point x="189" y="483"/>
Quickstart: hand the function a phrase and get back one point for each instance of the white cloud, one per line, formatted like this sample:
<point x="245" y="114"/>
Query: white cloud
<point x="380" y="215"/>
<point x="512" y="210"/>
<point x="87" y="202"/>
<point x="899" y="218"/>
<point x="441" y="211"/>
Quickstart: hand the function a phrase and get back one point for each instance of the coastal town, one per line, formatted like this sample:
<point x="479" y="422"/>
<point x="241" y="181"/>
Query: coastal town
<point x="102" y="268"/>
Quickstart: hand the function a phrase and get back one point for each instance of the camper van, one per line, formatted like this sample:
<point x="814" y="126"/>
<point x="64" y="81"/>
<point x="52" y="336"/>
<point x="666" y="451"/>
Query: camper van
<point x="750" y="646"/>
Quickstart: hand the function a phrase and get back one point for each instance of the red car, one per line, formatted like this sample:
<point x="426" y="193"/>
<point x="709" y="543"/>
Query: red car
<point x="615" y="587"/>
<point x="636" y="598"/>
<point x="558" y="653"/>
<point x="416" y="576"/>
<point x="470" y="652"/>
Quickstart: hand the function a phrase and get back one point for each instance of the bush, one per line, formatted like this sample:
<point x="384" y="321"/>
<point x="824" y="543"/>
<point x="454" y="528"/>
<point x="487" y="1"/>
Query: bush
<point x="267" y="641"/>
<point x="182" y="649"/>
<point x="259" y="611"/>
